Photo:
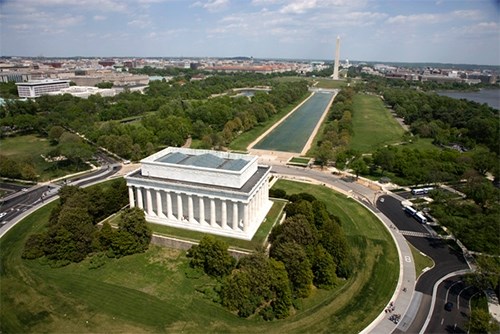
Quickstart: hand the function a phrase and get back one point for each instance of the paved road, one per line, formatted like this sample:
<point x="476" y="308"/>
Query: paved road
<point x="456" y="291"/>
<point x="19" y="203"/>
<point x="446" y="259"/>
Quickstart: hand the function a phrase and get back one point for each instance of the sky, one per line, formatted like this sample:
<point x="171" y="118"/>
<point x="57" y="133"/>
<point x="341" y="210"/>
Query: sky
<point x="444" y="31"/>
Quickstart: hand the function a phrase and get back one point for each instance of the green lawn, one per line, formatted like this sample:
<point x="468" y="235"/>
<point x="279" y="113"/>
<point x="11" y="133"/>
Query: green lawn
<point x="329" y="83"/>
<point x="373" y="124"/>
<point x="322" y="82"/>
<point x="29" y="148"/>
<point x="421" y="144"/>
<point x="257" y="241"/>
<point x="421" y="261"/>
<point x="156" y="291"/>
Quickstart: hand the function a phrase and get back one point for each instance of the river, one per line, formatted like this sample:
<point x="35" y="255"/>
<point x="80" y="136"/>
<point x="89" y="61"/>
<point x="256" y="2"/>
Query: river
<point x="488" y="96"/>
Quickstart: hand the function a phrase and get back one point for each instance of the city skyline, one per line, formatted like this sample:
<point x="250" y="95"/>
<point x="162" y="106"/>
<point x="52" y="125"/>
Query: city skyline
<point x="464" y="32"/>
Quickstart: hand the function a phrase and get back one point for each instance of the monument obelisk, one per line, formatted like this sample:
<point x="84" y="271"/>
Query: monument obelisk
<point x="337" y="59"/>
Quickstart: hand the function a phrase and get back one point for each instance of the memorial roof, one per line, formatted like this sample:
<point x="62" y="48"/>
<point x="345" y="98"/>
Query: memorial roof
<point x="206" y="160"/>
<point x="246" y="188"/>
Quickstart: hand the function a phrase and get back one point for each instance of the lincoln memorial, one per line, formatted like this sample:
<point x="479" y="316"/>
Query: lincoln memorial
<point x="209" y="191"/>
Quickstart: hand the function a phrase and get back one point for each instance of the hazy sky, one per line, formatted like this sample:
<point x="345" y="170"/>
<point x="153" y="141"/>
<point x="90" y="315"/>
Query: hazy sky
<point x="455" y="31"/>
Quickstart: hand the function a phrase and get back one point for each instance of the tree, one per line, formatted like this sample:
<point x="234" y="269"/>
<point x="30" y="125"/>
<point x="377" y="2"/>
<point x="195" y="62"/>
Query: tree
<point x="55" y="133"/>
<point x="257" y="281"/>
<point x="335" y="243"/>
<point x="280" y="285"/>
<point x="481" y="321"/>
<point x="324" y="153"/>
<point x="323" y="268"/>
<point x="358" y="166"/>
<point x="133" y="222"/>
<point x="385" y="158"/>
<point x="212" y="256"/>
<point x="70" y="239"/>
<point x="297" y="266"/>
<point x="300" y="207"/>
<point x="295" y="229"/>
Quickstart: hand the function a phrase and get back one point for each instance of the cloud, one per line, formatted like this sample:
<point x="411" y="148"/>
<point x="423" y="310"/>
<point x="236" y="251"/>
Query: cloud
<point x="97" y="5"/>
<point x="299" y="7"/>
<point x="99" y="17"/>
<point x="69" y="20"/>
<point x="467" y="14"/>
<point x="415" y="19"/>
<point x="141" y="22"/>
<point x="429" y="18"/>
<point x="212" y="5"/>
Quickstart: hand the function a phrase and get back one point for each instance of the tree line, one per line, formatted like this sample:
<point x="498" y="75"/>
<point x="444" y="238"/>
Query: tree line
<point x="134" y="125"/>
<point x="446" y="120"/>
<point x="72" y="233"/>
<point x="308" y="249"/>
<point x="337" y="132"/>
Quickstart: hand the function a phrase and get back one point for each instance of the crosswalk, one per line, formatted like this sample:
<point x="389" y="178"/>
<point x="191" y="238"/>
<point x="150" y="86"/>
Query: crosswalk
<point x="417" y="234"/>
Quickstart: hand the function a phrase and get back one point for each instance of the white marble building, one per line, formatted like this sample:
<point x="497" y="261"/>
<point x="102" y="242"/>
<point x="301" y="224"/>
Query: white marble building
<point x="209" y="191"/>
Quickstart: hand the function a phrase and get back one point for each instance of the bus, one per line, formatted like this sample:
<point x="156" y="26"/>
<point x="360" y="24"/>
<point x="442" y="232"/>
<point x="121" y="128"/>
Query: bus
<point x="420" y="218"/>
<point x="409" y="210"/>
<point x="421" y="191"/>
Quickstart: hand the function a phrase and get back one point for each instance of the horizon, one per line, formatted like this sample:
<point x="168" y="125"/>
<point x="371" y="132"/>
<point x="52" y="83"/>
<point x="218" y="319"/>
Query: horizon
<point x="351" y="61"/>
<point x="441" y="31"/>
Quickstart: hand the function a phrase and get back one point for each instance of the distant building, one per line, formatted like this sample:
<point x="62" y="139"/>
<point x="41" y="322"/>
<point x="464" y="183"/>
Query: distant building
<point x="84" y="92"/>
<point x="37" y="88"/>
<point x="208" y="191"/>
<point x="14" y="76"/>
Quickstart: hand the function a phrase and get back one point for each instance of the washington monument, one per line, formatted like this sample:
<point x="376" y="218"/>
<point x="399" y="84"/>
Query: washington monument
<point x="337" y="59"/>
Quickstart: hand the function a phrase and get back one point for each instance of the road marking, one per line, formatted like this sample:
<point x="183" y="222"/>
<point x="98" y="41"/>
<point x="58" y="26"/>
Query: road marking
<point x="448" y="291"/>
<point x="408" y="259"/>
<point x="442" y="320"/>
<point x="458" y="298"/>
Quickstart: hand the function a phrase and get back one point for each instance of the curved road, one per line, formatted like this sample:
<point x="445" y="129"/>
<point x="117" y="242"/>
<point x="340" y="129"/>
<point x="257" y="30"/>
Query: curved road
<point x="446" y="260"/>
<point x="22" y="202"/>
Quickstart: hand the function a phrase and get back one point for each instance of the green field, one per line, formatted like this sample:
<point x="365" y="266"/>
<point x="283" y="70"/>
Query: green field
<point x="156" y="291"/>
<point x="421" y="261"/>
<point x="329" y="83"/>
<point x="373" y="124"/>
<point x="321" y="82"/>
<point x="30" y="148"/>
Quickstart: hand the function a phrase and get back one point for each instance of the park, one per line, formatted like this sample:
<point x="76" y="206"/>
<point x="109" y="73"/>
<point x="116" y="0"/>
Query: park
<point x="158" y="291"/>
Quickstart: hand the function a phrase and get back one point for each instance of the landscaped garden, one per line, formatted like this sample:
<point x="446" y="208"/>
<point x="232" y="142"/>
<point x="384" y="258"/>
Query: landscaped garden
<point x="157" y="291"/>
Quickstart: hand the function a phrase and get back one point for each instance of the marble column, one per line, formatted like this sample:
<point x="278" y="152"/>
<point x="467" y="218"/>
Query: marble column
<point x="179" y="208"/>
<point x="213" y="222"/>
<point x="159" y="204"/>
<point x="131" y="197"/>
<point x="224" y="213"/>
<point x="170" y="214"/>
<point x="190" y="209"/>
<point x="201" y="206"/>
<point x="245" y="217"/>
<point x="235" y="216"/>
<point x="149" y="201"/>
<point x="138" y="192"/>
